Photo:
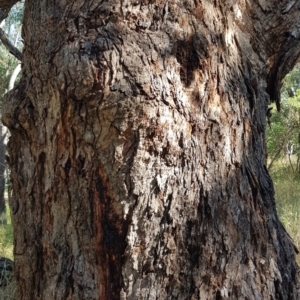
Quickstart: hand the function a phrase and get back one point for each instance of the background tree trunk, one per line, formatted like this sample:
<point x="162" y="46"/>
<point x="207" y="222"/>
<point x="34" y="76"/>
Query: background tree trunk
<point x="3" y="141"/>
<point x="137" y="153"/>
<point x="2" y="175"/>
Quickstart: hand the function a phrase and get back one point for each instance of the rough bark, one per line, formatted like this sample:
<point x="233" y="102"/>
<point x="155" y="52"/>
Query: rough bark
<point x="5" y="7"/>
<point x="137" y="153"/>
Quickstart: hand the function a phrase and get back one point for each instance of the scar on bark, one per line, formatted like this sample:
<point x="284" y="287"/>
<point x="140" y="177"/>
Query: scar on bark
<point x="111" y="232"/>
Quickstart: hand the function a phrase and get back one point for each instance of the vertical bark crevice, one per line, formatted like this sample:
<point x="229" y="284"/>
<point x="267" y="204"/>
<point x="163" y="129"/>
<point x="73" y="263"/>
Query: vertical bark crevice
<point x="110" y="236"/>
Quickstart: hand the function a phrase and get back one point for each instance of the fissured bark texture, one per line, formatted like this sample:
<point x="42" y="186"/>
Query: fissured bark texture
<point x="137" y="150"/>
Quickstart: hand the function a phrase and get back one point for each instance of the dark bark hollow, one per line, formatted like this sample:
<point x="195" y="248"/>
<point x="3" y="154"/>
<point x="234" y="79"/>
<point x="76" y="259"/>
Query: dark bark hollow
<point x="137" y="152"/>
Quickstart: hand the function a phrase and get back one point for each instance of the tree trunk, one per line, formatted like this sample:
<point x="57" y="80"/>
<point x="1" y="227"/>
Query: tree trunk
<point x="137" y="153"/>
<point x="3" y="133"/>
<point x="3" y="217"/>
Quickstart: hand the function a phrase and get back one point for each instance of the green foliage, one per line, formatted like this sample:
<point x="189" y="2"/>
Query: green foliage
<point x="6" y="237"/>
<point x="284" y="130"/>
<point x="285" y="168"/>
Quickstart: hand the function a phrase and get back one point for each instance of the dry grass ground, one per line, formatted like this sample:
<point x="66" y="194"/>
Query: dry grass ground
<point x="287" y="194"/>
<point x="6" y="238"/>
<point x="6" y="250"/>
<point x="8" y="292"/>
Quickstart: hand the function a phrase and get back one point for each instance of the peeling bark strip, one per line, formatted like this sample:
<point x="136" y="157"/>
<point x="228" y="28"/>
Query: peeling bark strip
<point x="136" y="150"/>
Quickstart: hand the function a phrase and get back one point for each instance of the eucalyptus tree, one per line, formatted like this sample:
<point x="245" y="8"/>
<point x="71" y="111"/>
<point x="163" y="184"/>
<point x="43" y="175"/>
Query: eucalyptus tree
<point x="137" y="150"/>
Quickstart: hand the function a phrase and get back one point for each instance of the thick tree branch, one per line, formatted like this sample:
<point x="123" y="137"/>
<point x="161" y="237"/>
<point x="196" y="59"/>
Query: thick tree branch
<point x="9" y="46"/>
<point x="282" y="34"/>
